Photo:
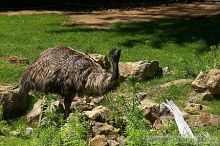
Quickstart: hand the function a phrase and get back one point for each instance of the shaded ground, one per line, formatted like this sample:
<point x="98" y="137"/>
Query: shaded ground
<point x="104" y="18"/>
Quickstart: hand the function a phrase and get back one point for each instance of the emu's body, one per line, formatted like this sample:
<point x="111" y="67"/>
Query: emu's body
<point x="67" y="72"/>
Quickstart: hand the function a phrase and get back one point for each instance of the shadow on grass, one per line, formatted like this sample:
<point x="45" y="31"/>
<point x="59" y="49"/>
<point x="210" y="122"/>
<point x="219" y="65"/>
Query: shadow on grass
<point x="157" y="33"/>
<point x="178" y="31"/>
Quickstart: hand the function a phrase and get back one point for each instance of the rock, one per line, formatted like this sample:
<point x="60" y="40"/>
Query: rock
<point x="162" y="122"/>
<point x="203" y="119"/>
<point x="102" y="60"/>
<point x="150" y="109"/>
<point x="194" y="108"/>
<point x="213" y="81"/>
<point x="105" y="129"/>
<point x="206" y="95"/>
<point x="13" y="104"/>
<point x="194" y="96"/>
<point x="14" y="133"/>
<point x="35" y="113"/>
<point x="199" y="84"/>
<point x="176" y="83"/>
<point x="98" y="140"/>
<point x="142" y="69"/>
<point x="113" y="143"/>
<point x="28" y="131"/>
<point x="208" y="81"/>
<point x="86" y="103"/>
<point x="121" y="140"/>
<point x="57" y="106"/>
<point x="100" y="113"/>
<point x="18" y="60"/>
<point x="167" y="71"/>
<point x="142" y="95"/>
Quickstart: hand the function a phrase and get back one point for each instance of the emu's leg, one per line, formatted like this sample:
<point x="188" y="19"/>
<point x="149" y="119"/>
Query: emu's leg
<point x="67" y="104"/>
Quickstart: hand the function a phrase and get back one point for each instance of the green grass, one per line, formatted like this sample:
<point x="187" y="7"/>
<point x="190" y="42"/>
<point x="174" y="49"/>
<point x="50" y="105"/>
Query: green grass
<point x="182" y="45"/>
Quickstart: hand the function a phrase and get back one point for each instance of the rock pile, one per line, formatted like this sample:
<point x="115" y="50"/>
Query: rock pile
<point x="103" y="133"/>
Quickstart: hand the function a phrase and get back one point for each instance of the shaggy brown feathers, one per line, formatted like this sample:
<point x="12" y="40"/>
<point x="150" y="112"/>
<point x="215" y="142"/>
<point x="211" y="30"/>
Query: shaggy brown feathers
<point x="67" y="72"/>
<point x="64" y="71"/>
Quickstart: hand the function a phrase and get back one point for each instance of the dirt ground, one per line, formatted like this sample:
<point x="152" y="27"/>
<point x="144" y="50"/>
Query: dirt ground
<point x="104" y="18"/>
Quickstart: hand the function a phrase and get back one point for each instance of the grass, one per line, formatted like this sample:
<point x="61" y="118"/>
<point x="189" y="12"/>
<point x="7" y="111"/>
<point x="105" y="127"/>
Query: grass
<point x="182" y="45"/>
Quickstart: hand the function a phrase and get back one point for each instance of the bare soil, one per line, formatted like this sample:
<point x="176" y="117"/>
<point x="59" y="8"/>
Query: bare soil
<point x="104" y="18"/>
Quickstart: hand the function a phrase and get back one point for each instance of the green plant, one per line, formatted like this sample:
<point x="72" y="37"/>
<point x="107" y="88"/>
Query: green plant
<point x="4" y="128"/>
<point x="215" y="49"/>
<point x="75" y="131"/>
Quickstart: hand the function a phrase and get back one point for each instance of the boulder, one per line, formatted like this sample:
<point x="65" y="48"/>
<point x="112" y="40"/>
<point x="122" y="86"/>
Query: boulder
<point x="98" y="140"/>
<point x="102" y="60"/>
<point x="203" y="119"/>
<point x="208" y="81"/>
<point x="100" y="113"/>
<point x="13" y="104"/>
<point x="142" y="69"/>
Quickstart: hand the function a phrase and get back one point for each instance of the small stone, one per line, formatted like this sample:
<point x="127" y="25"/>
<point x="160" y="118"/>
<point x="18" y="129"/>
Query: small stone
<point x="113" y="143"/>
<point x="98" y="140"/>
<point x="28" y="131"/>
<point x="14" y="133"/>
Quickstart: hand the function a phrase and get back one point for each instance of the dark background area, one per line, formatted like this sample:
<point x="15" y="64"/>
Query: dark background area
<point x="78" y="4"/>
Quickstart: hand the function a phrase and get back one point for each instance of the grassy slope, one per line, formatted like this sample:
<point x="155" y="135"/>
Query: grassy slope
<point x="182" y="45"/>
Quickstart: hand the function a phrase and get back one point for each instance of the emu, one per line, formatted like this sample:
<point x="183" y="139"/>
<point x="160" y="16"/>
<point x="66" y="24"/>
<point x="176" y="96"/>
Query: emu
<point x="67" y="72"/>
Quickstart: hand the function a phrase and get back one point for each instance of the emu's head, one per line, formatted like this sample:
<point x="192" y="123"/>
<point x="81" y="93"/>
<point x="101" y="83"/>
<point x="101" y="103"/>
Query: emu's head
<point x="115" y="55"/>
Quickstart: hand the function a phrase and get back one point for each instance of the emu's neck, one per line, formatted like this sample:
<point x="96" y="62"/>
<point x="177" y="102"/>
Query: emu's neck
<point x="115" y="71"/>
